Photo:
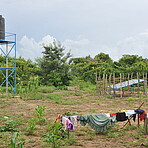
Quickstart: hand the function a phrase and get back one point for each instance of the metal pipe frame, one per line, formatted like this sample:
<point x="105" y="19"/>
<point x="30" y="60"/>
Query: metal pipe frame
<point x="7" y="47"/>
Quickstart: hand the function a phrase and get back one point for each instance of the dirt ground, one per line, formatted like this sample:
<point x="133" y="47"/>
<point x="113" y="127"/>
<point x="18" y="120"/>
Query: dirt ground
<point x="84" y="103"/>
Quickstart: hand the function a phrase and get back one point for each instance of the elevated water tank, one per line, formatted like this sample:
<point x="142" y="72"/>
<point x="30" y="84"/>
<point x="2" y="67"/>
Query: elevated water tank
<point x="2" y="28"/>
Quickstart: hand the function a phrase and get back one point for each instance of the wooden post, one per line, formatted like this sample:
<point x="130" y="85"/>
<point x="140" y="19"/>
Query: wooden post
<point x="123" y="79"/>
<point x="138" y="83"/>
<point x="128" y="82"/>
<point x="144" y="88"/>
<point x="114" y="85"/>
<point x="103" y="84"/>
<point x="138" y="121"/>
<point x="110" y="76"/>
<point x="106" y="84"/>
<point x="146" y="124"/>
<point x="97" y="87"/>
<point x="145" y="84"/>
<point x="131" y="86"/>
<point x="139" y="115"/>
<point x="120" y="85"/>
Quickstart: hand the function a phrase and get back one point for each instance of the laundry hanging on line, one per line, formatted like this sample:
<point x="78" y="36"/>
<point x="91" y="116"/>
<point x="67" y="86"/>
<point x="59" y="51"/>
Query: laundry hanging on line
<point x="100" y="122"/>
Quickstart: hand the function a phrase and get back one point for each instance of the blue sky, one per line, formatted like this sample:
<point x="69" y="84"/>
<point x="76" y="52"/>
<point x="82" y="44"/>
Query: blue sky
<point x="86" y="27"/>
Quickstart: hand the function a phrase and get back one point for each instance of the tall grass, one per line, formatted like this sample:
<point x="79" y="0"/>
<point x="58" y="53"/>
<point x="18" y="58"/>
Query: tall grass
<point x="31" y="85"/>
<point x="85" y="86"/>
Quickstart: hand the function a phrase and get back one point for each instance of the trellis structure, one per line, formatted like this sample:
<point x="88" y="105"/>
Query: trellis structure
<point x="8" y="64"/>
<point x="120" y="84"/>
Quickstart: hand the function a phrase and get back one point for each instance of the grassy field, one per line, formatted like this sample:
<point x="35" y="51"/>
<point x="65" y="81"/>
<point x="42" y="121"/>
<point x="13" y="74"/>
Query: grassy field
<point x="28" y="121"/>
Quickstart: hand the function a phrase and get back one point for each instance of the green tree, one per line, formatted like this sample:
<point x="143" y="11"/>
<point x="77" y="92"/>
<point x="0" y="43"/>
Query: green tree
<point x="26" y="69"/>
<point x="54" y="66"/>
<point x="128" y="63"/>
<point x="86" y="68"/>
<point x="103" y="58"/>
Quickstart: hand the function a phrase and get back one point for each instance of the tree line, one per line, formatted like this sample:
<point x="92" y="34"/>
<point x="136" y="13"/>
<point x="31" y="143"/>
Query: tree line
<point x="57" y="68"/>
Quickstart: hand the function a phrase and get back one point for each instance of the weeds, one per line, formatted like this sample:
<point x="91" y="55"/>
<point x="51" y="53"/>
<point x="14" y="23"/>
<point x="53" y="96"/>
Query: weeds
<point x="78" y="93"/>
<point x="14" y="143"/>
<point x="46" y="89"/>
<point x="62" y="87"/>
<point x="69" y="113"/>
<point x="54" y="135"/>
<point x="9" y="125"/>
<point x="90" y="134"/>
<point x="115" y="133"/>
<point x="31" y="127"/>
<point x="39" y="113"/>
<point x="131" y="99"/>
<point x="2" y="104"/>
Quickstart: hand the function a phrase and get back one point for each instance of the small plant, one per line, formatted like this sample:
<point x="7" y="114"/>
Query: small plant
<point x="8" y="125"/>
<point x="31" y="127"/>
<point x="71" y="140"/>
<point x="78" y="93"/>
<point x="54" y="97"/>
<point x="62" y="87"/>
<point x="69" y="113"/>
<point x="131" y="99"/>
<point x="39" y="112"/>
<point x="114" y="133"/>
<point x="90" y="134"/>
<point x="14" y="143"/>
<point x="54" y="135"/>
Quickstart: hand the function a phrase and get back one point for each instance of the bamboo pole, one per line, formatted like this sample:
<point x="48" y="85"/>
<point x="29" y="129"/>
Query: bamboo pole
<point x="146" y="124"/>
<point x="97" y="87"/>
<point x="131" y="86"/>
<point x="128" y="81"/>
<point x="144" y="88"/>
<point x="120" y="85"/>
<point x="110" y="76"/>
<point x="123" y="79"/>
<point x="139" y="115"/>
<point x="146" y="84"/>
<point x="114" y="85"/>
<point x="106" y="84"/>
<point x="138" y="83"/>
<point x="103" y="84"/>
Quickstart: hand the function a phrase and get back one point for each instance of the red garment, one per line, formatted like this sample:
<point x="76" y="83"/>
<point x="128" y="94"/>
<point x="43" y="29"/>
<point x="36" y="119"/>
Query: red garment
<point x="142" y="116"/>
<point x="112" y="114"/>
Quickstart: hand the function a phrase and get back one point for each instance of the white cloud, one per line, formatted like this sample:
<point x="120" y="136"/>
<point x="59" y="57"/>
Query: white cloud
<point x="81" y="47"/>
<point x="31" y="49"/>
<point x="78" y="48"/>
<point x="136" y="45"/>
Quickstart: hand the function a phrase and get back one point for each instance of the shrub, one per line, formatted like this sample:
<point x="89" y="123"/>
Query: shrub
<point x="9" y="125"/>
<point x="130" y="99"/>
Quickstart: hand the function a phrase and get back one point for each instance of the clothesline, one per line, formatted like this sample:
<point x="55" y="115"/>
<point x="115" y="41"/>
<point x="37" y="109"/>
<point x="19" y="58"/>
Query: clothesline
<point x="100" y="122"/>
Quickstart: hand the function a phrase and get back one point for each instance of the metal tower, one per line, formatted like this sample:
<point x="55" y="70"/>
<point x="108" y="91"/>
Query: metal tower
<point x="8" y="60"/>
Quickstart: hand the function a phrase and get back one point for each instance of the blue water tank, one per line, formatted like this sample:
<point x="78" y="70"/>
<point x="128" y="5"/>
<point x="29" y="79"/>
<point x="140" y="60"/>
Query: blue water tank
<point x="2" y="28"/>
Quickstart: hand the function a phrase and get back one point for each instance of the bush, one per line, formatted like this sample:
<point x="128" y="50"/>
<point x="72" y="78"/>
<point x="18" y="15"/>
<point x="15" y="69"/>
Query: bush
<point x="131" y="99"/>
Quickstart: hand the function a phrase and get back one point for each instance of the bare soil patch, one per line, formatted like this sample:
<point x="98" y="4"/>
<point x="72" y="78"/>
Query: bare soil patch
<point x="86" y="103"/>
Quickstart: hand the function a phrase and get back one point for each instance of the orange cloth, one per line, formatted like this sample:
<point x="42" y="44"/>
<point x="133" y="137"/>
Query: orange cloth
<point x="58" y="119"/>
